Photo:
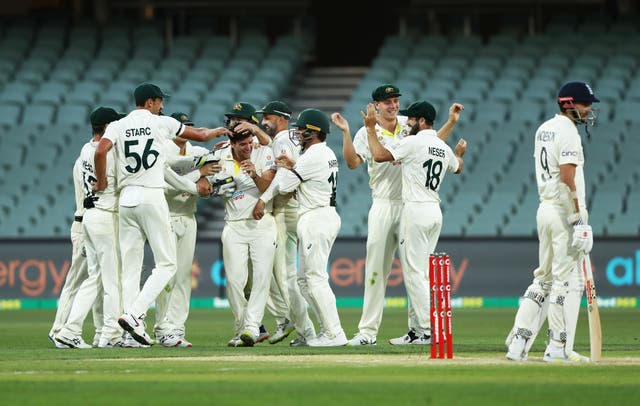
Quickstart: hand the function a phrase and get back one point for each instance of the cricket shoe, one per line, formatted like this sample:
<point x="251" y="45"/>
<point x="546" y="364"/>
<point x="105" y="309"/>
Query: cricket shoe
<point x="298" y="342"/>
<point x="282" y="331"/>
<point x="248" y="339"/>
<point x="263" y="334"/>
<point x="96" y="340"/>
<point x="516" y="350"/>
<point x="170" y="340"/>
<point x="183" y="341"/>
<point x="360" y="339"/>
<point x="235" y="342"/>
<point x="555" y="354"/>
<point x="129" y="342"/>
<point x="136" y="327"/>
<point x="57" y="343"/>
<point x="411" y="338"/>
<point x="71" y="340"/>
<point x="324" y="340"/>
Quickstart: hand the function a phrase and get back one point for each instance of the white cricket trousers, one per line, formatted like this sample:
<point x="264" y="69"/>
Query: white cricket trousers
<point x="317" y="231"/>
<point x="420" y="226"/>
<point x="278" y="301"/>
<point x="559" y="264"/>
<point x="148" y="221"/>
<point x="244" y="241"/>
<point x="100" y="230"/>
<point x="76" y="274"/>
<point x="382" y="241"/>
<point x="286" y="261"/>
<point x="172" y="305"/>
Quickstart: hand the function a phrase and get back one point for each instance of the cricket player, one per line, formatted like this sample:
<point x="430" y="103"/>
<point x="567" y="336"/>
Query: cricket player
<point x="314" y="177"/>
<point x="77" y="272"/>
<point x="385" y="180"/>
<point x="425" y="160"/>
<point x="247" y="243"/>
<point x="139" y="139"/>
<point x="100" y="229"/>
<point x="285" y="298"/>
<point x="172" y="304"/>
<point x="563" y="231"/>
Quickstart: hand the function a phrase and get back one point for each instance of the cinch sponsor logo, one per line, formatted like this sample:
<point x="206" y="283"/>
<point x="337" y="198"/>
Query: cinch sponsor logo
<point x="569" y="153"/>
<point x="624" y="271"/>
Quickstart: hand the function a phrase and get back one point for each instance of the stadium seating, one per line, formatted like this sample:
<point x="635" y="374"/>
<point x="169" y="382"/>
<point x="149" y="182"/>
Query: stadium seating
<point x="53" y="74"/>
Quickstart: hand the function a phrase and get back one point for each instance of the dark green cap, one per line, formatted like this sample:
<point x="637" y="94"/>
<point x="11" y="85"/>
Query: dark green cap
<point x="384" y="92"/>
<point x="420" y="109"/>
<point x="313" y="119"/>
<point x="147" y="91"/>
<point x="277" y="107"/>
<point x="244" y="110"/>
<point x="182" y="117"/>
<point x="104" y="115"/>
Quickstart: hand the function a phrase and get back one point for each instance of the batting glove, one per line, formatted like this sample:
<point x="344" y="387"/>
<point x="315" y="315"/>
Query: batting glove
<point x="582" y="238"/>
<point x="223" y="185"/>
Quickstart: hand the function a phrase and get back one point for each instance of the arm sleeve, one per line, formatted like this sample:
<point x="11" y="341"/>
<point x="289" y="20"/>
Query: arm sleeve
<point x="400" y="150"/>
<point x="361" y="144"/>
<point x="174" y="127"/>
<point x="569" y="147"/>
<point x="179" y="183"/>
<point x="452" y="160"/>
<point x="78" y="188"/>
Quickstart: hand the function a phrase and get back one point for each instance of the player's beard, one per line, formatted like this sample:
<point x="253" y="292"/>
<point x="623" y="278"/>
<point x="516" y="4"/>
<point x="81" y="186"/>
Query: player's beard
<point x="414" y="129"/>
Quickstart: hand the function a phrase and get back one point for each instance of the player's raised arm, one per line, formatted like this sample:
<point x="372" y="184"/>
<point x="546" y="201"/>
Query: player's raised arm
<point x="454" y="116"/>
<point x="352" y="159"/>
<point x="378" y="151"/>
<point x="204" y="134"/>
<point x="100" y="162"/>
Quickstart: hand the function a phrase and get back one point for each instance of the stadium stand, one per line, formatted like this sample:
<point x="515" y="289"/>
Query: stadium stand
<point x="52" y="75"/>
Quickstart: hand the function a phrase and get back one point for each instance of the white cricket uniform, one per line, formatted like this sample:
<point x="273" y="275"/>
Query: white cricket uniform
<point x="77" y="272"/>
<point x="139" y="140"/>
<point x="385" y="180"/>
<point x="557" y="142"/>
<point x="425" y="160"/>
<point x="314" y="177"/>
<point x="285" y="298"/>
<point x="244" y="239"/>
<point x="172" y="305"/>
<point x="100" y="227"/>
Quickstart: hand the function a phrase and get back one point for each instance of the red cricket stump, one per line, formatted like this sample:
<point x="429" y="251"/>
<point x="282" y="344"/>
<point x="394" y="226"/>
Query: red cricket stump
<point x="440" y="313"/>
<point x="433" y="312"/>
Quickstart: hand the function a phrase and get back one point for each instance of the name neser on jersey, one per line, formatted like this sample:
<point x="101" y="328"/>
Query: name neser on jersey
<point x="439" y="152"/>
<point x="137" y="132"/>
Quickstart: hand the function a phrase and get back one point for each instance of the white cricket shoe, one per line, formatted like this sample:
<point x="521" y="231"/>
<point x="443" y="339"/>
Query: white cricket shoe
<point x="282" y="331"/>
<point x="169" y="340"/>
<point x="411" y="338"/>
<point x="136" y="327"/>
<point x="71" y="340"/>
<point x="298" y="342"/>
<point x="56" y="342"/>
<point x="248" y="339"/>
<point x="516" y="350"/>
<point x="130" y="342"/>
<point x="324" y="340"/>
<point x="361" y="339"/>
<point x="555" y="354"/>
<point x="235" y="342"/>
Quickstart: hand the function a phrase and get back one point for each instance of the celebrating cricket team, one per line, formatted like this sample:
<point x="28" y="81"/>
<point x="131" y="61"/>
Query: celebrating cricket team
<point x="138" y="180"/>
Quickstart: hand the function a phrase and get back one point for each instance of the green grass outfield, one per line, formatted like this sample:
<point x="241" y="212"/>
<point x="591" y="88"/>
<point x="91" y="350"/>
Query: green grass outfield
<point x="33" y="372"/>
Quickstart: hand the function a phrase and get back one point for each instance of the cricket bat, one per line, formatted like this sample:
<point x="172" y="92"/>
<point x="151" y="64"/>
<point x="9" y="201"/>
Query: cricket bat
<point x="595" y="330"/>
